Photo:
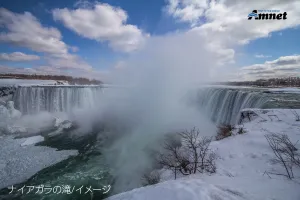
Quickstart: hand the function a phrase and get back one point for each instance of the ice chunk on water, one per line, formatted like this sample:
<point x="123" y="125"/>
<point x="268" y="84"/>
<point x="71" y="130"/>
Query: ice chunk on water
<point x="33" y="140"/>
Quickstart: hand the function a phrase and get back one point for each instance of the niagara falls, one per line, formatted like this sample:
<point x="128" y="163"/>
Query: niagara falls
<point x="144" y="100"/>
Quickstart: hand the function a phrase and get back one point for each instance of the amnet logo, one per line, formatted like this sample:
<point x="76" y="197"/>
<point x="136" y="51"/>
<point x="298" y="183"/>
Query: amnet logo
<point x="267" y="14"/>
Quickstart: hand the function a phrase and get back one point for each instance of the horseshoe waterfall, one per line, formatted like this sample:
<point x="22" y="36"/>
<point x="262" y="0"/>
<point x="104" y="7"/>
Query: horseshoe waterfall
<point x="223" y="104"/>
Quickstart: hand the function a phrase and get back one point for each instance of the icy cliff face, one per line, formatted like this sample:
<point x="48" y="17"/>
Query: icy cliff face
<point x="34" y="99"/>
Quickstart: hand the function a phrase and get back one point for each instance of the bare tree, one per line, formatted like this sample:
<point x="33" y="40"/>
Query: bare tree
<point x="193" y="155"/>
<point x="206" y="156"/>
<point x="211" y="166"/>
<point x="174" y="157"/>
<point x="191" y="143"/>
<point x="297" y="116"/>
<point x="285" y="152"/>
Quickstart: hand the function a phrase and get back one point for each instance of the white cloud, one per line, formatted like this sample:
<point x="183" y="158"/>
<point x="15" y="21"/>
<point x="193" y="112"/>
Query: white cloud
<point x="21" y="70"/>
<point x="83" y="4"/>
<point x="68" y="61"/>
<point x="103" y="23"/>
<point x="228" y="21"/>
<point x="187" y="10"/>
<point x="74" y="48"/>
<point x="50" y="70"/>
<point x="225" y="24"/>
<point x="282" y="67"/>
<point x="262" y="56"/>
<point x="18" y="56"/>
<point x="25" y="30"/>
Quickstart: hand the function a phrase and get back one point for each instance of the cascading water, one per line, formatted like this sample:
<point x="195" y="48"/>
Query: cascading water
<point x="33" y="99"/>
<point x="223" y="104"/>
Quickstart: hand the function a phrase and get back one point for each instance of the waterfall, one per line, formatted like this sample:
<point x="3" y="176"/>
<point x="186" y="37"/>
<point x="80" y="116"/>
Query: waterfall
<point x="33" y="99"/>
<point x="224" y="104"/>
<point x="221" y="104"/>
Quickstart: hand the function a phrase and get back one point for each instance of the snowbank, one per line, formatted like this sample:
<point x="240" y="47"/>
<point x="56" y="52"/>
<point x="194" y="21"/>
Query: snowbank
<point x="27" y="82"/>
<point x="243" y="169"/>
<point x="193" y="189"/>
<point x="246" y="159"/>
<point x="18" y="162"/>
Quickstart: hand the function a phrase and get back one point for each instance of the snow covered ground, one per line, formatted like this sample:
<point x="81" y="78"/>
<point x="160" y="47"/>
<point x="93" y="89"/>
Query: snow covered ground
<point x="182" y="189"/>
<point x="20" y="159"/>
<point x="25" y="82"/>
<point x="241" y="168"/>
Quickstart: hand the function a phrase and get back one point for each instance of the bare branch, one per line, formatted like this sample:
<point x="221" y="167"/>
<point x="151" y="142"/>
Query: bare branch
<point x="285" y="152"/>
<point x="194" y="154"/>
<point x="295" y="113"/>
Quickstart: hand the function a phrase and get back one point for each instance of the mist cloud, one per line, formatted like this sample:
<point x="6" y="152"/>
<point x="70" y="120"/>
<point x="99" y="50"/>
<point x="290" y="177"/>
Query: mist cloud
<point x="153" y="100"/>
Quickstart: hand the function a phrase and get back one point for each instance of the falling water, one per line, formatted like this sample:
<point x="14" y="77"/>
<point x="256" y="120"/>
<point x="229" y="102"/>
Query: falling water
<point x="33" y="99"/>
<point x="223" y="104"/>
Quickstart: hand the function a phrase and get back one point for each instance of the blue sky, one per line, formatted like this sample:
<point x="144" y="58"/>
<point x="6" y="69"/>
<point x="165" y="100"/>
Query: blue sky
<point x="145" y="14"/>
<point x="99" y="51"/>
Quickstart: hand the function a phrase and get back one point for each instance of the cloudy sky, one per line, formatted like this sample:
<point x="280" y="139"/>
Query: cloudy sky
<point x="94" y="38"/>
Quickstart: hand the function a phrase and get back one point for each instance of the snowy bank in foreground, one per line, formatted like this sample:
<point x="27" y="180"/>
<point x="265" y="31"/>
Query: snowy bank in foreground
<point x="179" y="190"/>
<point x="18" y="162"/>
<point x="244" y="169"/>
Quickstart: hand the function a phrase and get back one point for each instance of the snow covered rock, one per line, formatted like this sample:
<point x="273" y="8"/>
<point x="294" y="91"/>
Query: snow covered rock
<point x="61" y="126"/>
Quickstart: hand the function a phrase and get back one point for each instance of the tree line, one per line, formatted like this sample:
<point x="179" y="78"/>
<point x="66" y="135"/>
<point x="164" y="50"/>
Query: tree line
<point x="272" y="82"/>
<point x="71" y="80"/>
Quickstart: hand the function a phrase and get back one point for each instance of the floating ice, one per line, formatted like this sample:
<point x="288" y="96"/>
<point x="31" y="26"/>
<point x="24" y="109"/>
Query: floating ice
<point x="19" y="163"/>
<point x="33" y="140"/>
